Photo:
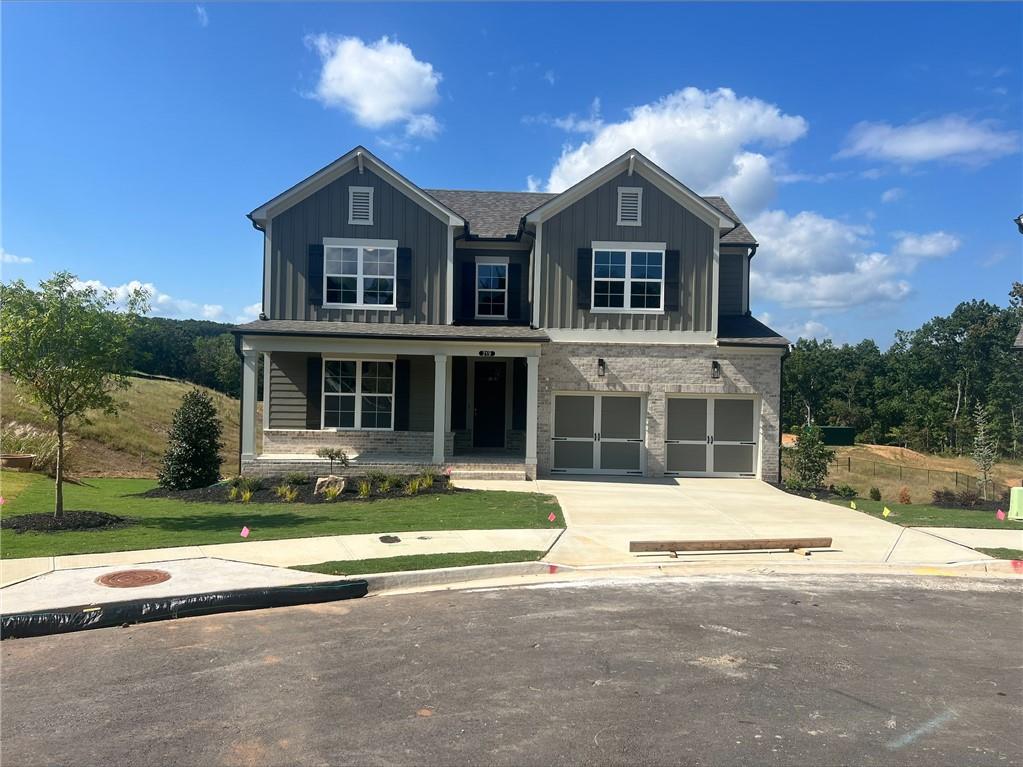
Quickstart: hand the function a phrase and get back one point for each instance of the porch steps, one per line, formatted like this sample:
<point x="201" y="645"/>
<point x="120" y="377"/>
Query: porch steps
<point x="488" y="472"/>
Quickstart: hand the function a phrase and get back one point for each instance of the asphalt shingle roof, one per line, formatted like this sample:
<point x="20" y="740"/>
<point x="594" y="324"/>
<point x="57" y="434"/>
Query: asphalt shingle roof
<point x="744" y="330"/>
<point x="498" y="214"/>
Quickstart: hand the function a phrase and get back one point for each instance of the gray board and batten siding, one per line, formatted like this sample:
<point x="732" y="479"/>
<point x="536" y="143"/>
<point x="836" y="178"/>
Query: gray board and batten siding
<point x="325" y="214"/>
<point x="594" y="218"/>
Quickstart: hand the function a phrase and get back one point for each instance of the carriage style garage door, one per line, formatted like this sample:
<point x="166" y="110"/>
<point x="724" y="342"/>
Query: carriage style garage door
<point x="598" y="434"/>
<point x="712" y="436"/>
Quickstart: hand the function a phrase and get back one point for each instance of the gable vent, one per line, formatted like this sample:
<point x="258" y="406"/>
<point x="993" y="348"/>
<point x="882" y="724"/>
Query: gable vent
<point x="630" y="206"/>
<point x="360" y="205"/>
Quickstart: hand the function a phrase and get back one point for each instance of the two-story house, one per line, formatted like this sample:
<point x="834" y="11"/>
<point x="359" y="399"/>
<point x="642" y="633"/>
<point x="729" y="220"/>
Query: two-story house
<point x="602" y="330"/>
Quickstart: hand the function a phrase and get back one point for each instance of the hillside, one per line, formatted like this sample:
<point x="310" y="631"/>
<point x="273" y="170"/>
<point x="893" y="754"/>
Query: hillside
<point x="131" y="443"/>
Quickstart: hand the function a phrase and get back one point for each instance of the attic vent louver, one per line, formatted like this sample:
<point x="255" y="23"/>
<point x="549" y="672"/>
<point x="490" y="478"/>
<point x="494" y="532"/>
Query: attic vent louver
<point x="630" y="206"/>
<point x="360" y="205"/>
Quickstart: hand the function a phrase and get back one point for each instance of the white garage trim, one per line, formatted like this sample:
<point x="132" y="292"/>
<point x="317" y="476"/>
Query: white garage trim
<point x="710" y="439"/>
<point x="599" y="440"/>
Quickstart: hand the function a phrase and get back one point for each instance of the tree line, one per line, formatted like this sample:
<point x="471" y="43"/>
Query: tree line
<point x="198" y="351"/>
<point x="923" y="391"/>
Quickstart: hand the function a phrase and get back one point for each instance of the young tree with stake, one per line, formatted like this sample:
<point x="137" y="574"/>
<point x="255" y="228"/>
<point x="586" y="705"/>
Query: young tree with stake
<point x="69" y="348"/>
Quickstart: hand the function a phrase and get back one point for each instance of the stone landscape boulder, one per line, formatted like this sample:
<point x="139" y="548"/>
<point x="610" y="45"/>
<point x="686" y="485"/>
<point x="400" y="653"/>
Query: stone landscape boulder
<point x="331" y="480"/>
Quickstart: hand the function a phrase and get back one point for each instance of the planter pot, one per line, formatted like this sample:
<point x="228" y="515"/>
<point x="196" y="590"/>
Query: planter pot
<point x="18" y="461"/>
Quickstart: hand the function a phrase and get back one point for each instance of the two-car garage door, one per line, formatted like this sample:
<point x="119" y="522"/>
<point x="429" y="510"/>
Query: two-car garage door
<point x="704" y="435"/>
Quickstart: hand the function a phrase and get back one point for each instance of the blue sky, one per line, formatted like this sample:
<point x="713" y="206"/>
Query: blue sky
<point x="873" y="149"/>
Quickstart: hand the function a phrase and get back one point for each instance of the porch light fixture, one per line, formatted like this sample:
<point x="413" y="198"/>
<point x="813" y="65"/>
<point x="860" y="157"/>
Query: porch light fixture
<point x="715" y="369"/>
<point x="601" y="368"/>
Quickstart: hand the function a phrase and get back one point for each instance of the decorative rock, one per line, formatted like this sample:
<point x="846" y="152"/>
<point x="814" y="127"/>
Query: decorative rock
<point x="331" y="480"/>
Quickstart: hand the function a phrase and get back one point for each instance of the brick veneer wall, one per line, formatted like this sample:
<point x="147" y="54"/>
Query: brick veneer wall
<point x="657" y="370"/>
<point x="414" y="443"/>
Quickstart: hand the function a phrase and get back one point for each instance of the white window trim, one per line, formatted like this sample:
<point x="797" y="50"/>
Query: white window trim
<point x="357" y="394"/>
<point x="628" y="247"/>
<point x="639" y="204"/>
<point x="351" y="200"/>
<point x="344" y="242"/>
<point x="499" y="260"/>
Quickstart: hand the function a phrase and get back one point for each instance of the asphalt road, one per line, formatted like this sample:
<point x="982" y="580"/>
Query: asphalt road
<point x="711" y="671"/>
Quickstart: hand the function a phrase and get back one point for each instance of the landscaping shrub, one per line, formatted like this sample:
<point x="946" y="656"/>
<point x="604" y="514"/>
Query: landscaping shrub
<point x="845" y="491"/>
<point x="968" y="499"/>
<point x="808" y="460"/>
<point x="332" y="492"/>
<point x="193" y="444"/>
<point x="334" y="455"/>
<point x="245" y="496"/>
<point x="413" y="486"/>
<point x="904" y="497"/>
<point x="246" y="483"/>
<point x="426" y="481"/>
<point x="365" y="488"/>
<point x="287" y="493"/>
<point x="296" y="478"/>
<point x="21" y="438"/>
<point x="943" y="497"/>
<point x="875" y="494"/>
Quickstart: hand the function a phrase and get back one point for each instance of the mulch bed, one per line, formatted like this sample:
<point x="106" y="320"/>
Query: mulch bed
<point x="218" y="493"/>
<point x="69" y="520"/>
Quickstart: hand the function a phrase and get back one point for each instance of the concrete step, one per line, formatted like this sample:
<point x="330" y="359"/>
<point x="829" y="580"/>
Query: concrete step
<point x="509" y="474"/>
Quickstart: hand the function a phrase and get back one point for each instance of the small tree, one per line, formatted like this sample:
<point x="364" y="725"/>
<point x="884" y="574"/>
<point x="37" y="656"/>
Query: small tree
<point x="193" y="444"/>
<point x="810" y="458"/>
<point x="333" y="454"/>
<point x="68" y="348"/>
<point x="985" y="449"/>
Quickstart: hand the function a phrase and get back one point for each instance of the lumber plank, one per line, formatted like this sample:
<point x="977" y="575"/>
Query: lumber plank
<point x="735" y="544"/>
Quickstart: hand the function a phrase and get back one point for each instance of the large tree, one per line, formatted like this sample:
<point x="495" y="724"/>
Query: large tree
<point x="69" y="346"/>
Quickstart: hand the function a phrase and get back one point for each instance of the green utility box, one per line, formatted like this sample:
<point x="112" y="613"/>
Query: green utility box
<point x="838" y="435"/>
<point x="1016" y="503"/>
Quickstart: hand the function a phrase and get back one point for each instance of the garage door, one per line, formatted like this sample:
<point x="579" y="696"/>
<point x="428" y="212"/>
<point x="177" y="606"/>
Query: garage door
<point x="711" y="436"/>
<point x="597" y="434"/>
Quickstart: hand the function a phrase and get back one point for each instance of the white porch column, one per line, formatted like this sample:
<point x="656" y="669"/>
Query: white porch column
<point x="532" y="394"/>
<point x="440" y="388"/>
<point x="250" y="363"/>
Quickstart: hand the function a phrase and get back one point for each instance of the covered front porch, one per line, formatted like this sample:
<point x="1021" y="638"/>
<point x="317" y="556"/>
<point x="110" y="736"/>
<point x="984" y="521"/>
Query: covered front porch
<point x="394" y="398"/>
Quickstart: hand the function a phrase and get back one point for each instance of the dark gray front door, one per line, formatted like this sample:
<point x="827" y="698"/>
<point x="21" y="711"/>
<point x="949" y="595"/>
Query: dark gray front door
<point x="488" y="404"/>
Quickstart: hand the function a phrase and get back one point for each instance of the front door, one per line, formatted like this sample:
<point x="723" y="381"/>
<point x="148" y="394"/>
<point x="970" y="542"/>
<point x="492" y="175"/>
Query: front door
<point x="488" y="404"/>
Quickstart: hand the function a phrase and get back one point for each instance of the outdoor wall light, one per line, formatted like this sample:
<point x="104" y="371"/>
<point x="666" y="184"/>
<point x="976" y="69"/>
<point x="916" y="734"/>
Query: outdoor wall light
<point x="715" y="369"/>
<point x="601" y="368"/>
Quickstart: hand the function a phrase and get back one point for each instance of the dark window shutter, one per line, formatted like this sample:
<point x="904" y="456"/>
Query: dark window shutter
<point x="583" y="277"/>
<point x="403" y="279"/>
<point x="672" y="291"/>
<point x="514" y="291"/>
<point x="519" y="394"/>
<point x="459" y="385"/>
<point x="313" y="388"/>
<point x="314" y="276"/>
<point x="402" y="382"/>
<point x="467" y="304"/>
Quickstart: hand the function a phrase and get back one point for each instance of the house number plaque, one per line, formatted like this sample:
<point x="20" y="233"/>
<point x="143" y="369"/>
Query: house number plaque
<point x="486" y="353"/>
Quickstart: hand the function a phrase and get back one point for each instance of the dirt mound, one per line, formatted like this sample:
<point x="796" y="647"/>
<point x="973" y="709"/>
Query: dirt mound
<point x="69" y="520"/>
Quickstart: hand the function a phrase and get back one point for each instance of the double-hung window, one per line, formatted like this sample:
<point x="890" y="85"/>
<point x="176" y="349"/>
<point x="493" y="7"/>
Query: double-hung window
<point x="358" y="394"/>
<point x="359" y="273"/>
<point x="628" y="277"/>
<point x="491" y="288"/>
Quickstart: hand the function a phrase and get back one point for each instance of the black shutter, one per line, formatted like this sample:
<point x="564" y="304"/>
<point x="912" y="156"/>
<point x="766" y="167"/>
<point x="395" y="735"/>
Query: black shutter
<point x="459" y="385"/>
<point x="467" y="295"/>
<point x="672" y="291"/>
<point x="403" y="279"/>
<point x="583" y="277"/>
<point x="313" y="388"/>
<point x="519" y="394"/>
<point x="514" y="291"/>
<point x="402" y="381"/>
<point x="314" y="276"/>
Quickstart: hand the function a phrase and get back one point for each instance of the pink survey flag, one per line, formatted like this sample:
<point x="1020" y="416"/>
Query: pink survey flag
<point x="999" y="515"/>
<point x="2" y="500"/>
<point x="245" y="532"/>
<point x="552" y="517"/>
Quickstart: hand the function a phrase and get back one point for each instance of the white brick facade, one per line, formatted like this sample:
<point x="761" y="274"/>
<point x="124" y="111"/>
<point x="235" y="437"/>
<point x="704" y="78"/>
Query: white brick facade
<point x="657" y="370"/>
<point x="415" y="444"/>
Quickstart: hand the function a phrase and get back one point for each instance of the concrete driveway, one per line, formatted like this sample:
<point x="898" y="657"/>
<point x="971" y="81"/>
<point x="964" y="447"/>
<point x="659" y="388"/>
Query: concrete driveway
<point x="605" y="514"/>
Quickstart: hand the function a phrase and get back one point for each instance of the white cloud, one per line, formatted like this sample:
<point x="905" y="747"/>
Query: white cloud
<point x="161" y="304"/>
<point x="893" y="195"/>
<point x="951" y="137"/>
<point x="202" y="16"/>
<point x="379" y="84"/>
<point x="814" y="262"/>
<point x="533" y="184"/>
<point x="707" y="139"/>
<point x="249" y="313"/>
<point x="930" y="245"/>
<point x="10" y="258"/>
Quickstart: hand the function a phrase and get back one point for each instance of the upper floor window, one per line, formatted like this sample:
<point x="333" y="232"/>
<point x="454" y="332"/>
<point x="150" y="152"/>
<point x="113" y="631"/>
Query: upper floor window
<point x="358" y="394"/>
<point x="491" y="288"/>
<point x="630" y="206"/>
<point x="359" y="274"/>
<point x="628" y="277"/>
<point x="360" y="205"/>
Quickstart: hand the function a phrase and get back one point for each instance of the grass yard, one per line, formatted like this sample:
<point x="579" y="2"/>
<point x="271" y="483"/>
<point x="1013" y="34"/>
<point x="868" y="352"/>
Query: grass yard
<point x="421" y="562"/>
<point x="13" y="482"/>
<point x="164" y="522"/>
<point x="921" y="515"/>
<point x="1003" y="553"/>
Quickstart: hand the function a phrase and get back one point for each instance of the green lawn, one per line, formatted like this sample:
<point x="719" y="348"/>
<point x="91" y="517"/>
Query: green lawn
<point x="1003" y="553"/>
<point x="164" y="522"/>
<point x="421" y="562"/>
<point x="13" y="482"/>
<point x="922" y="515"/>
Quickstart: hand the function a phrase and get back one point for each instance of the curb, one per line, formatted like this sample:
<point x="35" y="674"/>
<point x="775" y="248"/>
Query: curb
<point x="411" y="579"/>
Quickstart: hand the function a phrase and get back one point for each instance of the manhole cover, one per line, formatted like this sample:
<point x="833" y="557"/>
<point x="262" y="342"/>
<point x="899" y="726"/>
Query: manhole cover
<point x="130" y="579"/>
